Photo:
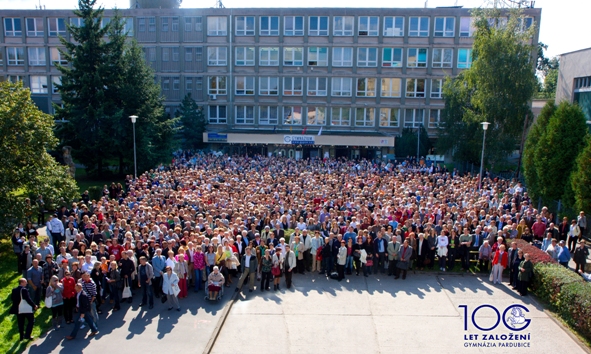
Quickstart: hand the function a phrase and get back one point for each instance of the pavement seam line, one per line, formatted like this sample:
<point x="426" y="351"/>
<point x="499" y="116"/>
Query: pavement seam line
<point x="220" y="324"/>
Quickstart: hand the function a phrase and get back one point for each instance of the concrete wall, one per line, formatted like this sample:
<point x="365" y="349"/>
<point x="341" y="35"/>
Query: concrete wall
<point x="572" y="65"/>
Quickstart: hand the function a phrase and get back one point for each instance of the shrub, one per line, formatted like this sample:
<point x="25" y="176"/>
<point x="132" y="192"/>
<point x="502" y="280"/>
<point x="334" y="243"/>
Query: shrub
<point x="549" y="279"/>
<point x="574" y="306"/>
<point x="536" y="254"/>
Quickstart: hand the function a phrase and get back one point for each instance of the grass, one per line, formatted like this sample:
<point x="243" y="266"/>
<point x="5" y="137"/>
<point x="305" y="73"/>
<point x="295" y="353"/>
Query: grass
<point x="9" y="336"/>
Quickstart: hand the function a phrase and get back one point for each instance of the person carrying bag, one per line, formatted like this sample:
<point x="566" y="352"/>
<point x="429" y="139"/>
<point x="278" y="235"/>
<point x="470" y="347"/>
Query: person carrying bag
<point x="24" y="309"/>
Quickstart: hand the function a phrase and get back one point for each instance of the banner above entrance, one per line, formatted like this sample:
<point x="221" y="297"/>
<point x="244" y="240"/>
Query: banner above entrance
<point x="299" y="139"/>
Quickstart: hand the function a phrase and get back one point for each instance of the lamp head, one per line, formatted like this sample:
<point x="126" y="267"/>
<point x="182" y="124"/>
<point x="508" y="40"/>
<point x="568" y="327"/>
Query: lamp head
<point x="485" y="125"/>
<point x="133" y="119"/>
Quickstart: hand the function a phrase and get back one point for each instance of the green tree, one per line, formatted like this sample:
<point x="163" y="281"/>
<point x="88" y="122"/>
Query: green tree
<point x="550" y="82"/>
<point x="581" y="179"/>
<point x="406" y="144"/>
<point x="83" y="88"/>
<point x="496" y="88"/>
<point x="557" y="150"/>
<point x="193" y="123"/>
<point x="531" y="144"/>
<point x="26" y="134"/>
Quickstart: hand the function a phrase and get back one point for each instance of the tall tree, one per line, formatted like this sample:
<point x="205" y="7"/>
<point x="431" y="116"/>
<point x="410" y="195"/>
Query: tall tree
<point x="496" y="88"/>
<point x="406" y="144"/>
<point x="193" y="123"/>
<point x="83" y="88"/>
<point x="531" y="144"/>
<point x="26" y="134"/>
<point x="581" y="179"/>
<point x="558" y="149"/>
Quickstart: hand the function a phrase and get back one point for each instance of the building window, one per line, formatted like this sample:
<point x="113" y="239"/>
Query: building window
<point x="340" y="116"/>
<point x="389" y="117"/>
<point x="175" y="24"/>
<point x="524" y="23"/>
<point x="436" y="88"/>
<point x="217" y="25"/>
<point x="198" y="24"/>
<point x="189" y="84"/>
<point x="175" y="53"/>
<point x="150" y="53"/>
<point x="368" y="25"/>
<point x="268" y="115"/>
<point x="366" y="87"/>
<point x="293" y="26"/>
<point x="141" y="24"/>
<point x="269" y="26"/>
<point x="316" y="116"/>
<point x="217" y="115"/>
<point x="269" y="56"/>
<point x="464" y="58"/>
<point x="343" y="25"/>
<point x="341" y="86"/>
<point x="1" y="62"/>
<point x="466" y="26"/>
<point x="76" y="22"/>
<point x="38" y="84"/>
<point x="415" y="88"/>
<point x="418" y="27"/>
<point x="12" y="27"/>
<point x="292" y="115"/>
<point x="244" y="56"/>
<point x="188" y="54"/>
<point x="244" y="85"/>
<point x="318" y="56"/>
<point x="364" y="117"/>
<point x="342" y="56"/>
<point x="37" y="56"/>
<point x="35" y="27"/>
<point x="57" y="57"/>
<point x="15" y="78"/>
<point x="292" y="86"/>
<point x="164" y="24"/>
<point x="317" y="86"/>
<point x="165" y="54"/>
<point x="165" y="84"/>
<point x="176" y="83"/>
<point x="244" y="114"/>
<point x="434" y="118"/>
<point x="188" y="24"/>
<point x="394" y="26"/>
<point x="392" y="57"/>
<point x="318" y="26"/>
<point x="57" y="27"/>
<point x="413" y="117"/>
<point x="293" y="56"/>
<point x="417" y="58"/>
<point x="444" y="26"/>
<point x="217" y="85"/>
<point x="151" y="24"/>
<point x="268" y="86"/>
<point x="367" y="57"/>
<point x="15" y="55"/>
<point x="442" y="58"/>
<point x="391" y="87"/>
<point x="55" y="82"/>
<point x="217" y="56"/>
<point x="245" y="25"/>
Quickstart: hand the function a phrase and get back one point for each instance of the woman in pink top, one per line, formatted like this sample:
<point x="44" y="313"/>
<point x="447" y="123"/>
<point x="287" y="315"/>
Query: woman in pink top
<point x="199" y="267"/>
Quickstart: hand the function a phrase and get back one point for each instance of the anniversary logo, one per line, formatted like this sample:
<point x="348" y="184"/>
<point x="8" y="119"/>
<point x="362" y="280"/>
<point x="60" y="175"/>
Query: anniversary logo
<point x="504" y="329"/>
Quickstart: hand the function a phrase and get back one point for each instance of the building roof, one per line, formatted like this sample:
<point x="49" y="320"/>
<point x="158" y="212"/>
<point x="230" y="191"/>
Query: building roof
<point x="575" y="51"/>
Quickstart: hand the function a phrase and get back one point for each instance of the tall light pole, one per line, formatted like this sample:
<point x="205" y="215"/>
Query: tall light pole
<point x="133" y="120"/>
<point x="484" y="127"/>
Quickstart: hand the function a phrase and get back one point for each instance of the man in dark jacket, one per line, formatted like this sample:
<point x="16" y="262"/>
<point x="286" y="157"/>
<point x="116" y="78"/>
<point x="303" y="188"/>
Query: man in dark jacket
<point x="249" y="269"/>
<point x="126" y="267"/>
<point x="83" y="304"/>
<point x="380" y="245"/>
<point x="21" y="293"/>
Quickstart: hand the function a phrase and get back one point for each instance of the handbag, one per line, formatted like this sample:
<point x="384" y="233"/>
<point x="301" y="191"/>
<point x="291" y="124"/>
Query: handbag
<point x="49" y="301"/>
<point x="176" y="290"/>
<point x="369" y="263"/>
<point x="126" y="290"/>
<point x="23" y="306"/>
<point x="275" y="271"/>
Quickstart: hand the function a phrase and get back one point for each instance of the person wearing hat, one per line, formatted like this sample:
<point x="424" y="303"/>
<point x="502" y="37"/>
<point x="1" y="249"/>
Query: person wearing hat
<point x="563" y="254"/>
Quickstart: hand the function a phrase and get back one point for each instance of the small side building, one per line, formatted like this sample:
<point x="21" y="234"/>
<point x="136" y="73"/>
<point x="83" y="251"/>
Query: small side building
<point x="574" y="79"/>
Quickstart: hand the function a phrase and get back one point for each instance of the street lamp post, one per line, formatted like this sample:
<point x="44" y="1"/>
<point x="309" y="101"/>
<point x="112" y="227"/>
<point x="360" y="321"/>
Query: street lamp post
<point x="484" y="127"/>
<point x="133" y="120"/>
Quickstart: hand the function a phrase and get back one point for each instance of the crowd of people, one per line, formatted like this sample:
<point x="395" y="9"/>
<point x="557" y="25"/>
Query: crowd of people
<point x="206" y="221"/>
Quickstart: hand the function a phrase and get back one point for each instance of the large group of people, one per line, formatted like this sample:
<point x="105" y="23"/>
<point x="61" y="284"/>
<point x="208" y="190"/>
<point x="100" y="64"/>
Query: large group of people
<point x="207" y="221"/>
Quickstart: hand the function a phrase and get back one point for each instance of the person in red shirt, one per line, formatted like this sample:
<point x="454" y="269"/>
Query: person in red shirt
<point x="69" y="296"/>
<point x="499" y="264"/>
<point x="116" y="250"/>
<point x="539" y="228"/>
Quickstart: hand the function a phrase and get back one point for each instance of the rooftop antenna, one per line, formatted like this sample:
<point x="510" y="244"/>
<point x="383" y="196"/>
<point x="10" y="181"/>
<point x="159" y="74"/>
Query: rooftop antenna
<point x="426" y="3"/>
<point x="219" y="5"/>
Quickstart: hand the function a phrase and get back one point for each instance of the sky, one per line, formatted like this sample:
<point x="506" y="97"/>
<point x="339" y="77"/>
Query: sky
<point x="564" y="24"/>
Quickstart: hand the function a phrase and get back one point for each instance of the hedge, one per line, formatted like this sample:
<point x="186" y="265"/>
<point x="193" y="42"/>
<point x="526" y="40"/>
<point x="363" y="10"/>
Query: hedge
<point x="566" y="291"/>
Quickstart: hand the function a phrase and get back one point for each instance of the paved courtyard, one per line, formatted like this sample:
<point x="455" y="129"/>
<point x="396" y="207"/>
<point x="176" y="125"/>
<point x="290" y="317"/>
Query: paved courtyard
<point x="319" y="315"/>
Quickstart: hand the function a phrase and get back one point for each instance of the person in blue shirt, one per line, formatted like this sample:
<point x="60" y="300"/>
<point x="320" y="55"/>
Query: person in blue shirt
<point x="563" y="254"/>
<point x="350" y="234"/>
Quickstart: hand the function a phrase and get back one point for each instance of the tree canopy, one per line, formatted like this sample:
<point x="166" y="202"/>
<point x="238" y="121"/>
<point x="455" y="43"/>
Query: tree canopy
<point x="531" y="143"/>
<point x="497" y="88"/>
<point x="26" y="134"/>
<point x="193" y="123"/>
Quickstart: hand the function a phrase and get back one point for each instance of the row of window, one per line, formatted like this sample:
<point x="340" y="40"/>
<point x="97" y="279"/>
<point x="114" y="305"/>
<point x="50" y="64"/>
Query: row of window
<point x="582" y="82"/>
<point x="392" y="26"/>
<point x="321" y="116"/>
<point x="38" y="83"/>
<point x="36" y="27"/>
<point x="36" y="56"/>
<point x="319" y="86"/>
<point x="341" y="56"/>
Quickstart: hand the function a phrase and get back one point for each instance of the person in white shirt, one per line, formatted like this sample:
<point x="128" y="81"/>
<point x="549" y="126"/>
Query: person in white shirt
<point x="55" y="228"/>
<point x="442" y="243"/>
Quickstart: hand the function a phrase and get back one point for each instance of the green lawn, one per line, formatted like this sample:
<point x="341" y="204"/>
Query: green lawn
<point x="85" y="182"/>
<point x="9" y="337"/>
